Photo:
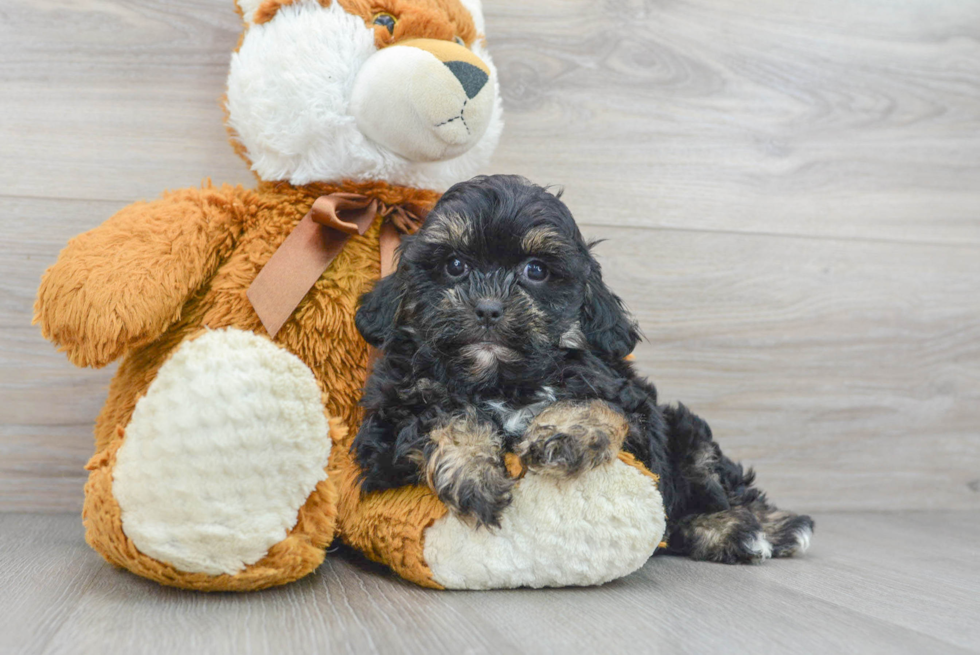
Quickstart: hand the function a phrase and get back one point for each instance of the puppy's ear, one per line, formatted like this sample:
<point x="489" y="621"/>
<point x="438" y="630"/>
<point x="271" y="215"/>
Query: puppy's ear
<point x="609" y="329"/>
<point x="378" y="311"/>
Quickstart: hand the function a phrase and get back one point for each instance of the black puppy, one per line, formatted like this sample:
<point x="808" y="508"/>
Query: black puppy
<point x="499" y="335"/>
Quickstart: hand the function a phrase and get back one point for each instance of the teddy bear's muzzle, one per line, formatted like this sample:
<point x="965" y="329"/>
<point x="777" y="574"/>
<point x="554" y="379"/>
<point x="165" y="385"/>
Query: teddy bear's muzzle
<point x="424" y="99"/>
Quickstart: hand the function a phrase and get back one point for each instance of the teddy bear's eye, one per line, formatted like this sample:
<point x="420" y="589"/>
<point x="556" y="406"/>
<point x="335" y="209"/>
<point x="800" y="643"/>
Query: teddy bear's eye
<point x="459" y="41"/>
<point x="385" y="20"/>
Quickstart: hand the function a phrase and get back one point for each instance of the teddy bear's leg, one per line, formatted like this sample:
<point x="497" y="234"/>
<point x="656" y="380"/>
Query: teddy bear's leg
<point x="219" y="465"/>
<point x="586" y="530"/>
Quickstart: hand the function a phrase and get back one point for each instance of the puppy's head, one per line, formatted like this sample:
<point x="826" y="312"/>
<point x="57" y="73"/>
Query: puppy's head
<point x="497" y="284"/>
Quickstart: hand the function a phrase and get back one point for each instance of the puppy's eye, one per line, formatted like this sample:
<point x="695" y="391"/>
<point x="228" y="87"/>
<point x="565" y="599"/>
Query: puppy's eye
<point x="536" y="271"/>
<point x="456" y="267"/>
<point x="385" y="20"/>
<point x="459" y="41"/>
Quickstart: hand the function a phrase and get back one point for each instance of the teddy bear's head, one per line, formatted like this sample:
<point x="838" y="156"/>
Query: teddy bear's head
<point x="397" y="90"/>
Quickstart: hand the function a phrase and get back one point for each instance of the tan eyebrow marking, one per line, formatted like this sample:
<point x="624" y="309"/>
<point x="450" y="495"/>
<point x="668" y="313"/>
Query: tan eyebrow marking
<point x="544" y="240"/>
<point x="452" y="230"/>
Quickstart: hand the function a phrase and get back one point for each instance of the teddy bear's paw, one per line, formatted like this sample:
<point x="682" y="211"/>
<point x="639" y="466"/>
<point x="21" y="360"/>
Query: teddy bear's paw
<point x="222" y="451"/>
<point x="586" y="530"/>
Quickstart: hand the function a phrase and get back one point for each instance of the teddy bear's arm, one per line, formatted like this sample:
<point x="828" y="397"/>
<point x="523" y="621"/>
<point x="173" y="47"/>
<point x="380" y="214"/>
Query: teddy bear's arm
<point x="123" y="283"/>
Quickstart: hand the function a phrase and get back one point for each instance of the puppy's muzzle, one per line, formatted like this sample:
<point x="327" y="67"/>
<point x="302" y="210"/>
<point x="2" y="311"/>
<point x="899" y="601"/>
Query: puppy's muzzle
<point x="489" y="294"/>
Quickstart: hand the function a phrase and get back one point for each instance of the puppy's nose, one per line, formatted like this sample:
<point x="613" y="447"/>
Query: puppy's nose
<point x="489" y="311"/>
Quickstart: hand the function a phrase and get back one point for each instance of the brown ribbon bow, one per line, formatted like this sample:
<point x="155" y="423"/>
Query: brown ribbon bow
<point x="316" y="241"/>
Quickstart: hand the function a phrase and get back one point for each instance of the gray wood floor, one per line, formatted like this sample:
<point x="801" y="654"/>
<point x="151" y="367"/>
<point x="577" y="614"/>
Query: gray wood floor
<point x="872" y="583"/>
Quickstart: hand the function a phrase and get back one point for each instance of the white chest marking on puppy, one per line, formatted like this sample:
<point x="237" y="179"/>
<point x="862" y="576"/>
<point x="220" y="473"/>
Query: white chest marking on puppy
<point x="485" y="357"/>
<point x="516" y="419"/>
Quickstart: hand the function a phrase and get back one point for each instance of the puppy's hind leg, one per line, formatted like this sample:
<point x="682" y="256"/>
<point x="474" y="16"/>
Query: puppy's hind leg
<point x="742" y="534"/>
<point x="788" y="533"/>
<point x="731" y="536"/>
<point x="719" y="514"/>
<point x="568" y="438"/>
<point x="465" y="467"/>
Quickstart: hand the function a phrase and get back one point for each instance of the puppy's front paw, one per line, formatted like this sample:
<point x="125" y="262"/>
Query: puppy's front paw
<point x="480" y="493"/>
<point x="569" y="438"/>
<point x="466" y="470"/>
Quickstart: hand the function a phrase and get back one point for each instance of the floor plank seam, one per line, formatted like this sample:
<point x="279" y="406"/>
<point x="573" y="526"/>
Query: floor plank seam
<point x="885" y="623"/>
<point x="586" y="224"/>
<point x="782" y="235"/>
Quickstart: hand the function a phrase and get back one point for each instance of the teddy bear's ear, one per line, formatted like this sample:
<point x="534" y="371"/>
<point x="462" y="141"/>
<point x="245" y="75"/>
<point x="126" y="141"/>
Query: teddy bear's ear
<point x="248" y="9"/>
<point x="475" y="7"/>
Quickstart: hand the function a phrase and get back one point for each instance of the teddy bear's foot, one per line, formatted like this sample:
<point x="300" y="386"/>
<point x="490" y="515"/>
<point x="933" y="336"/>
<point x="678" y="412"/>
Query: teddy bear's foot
<point x="587" y="530"/>
<point x="221" y="453"/>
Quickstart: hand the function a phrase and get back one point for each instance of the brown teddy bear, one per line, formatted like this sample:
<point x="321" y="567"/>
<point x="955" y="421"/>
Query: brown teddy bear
<point x="222" y="453"/>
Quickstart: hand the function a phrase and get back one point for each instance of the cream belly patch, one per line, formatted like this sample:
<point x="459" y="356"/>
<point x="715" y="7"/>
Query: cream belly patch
<point x="558" y="532"/>
<point x="222" y="451"/>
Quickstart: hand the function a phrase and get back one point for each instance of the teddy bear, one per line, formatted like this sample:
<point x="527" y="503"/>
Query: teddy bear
<point x="222" y="454"/>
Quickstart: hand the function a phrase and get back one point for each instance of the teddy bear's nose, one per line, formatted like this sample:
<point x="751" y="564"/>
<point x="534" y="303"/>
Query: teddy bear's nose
<point x="471" y="77"/>
<point x="471" y="71"/>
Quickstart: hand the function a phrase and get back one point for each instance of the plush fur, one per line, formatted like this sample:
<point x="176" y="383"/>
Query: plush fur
<point x="146" y="284"/>
<point x="499" y="335"/>
<point x="558" y="531"/>
<point x="183" y="263"/>
<point x="292" y="79"/>
<point x="230" y="407"/>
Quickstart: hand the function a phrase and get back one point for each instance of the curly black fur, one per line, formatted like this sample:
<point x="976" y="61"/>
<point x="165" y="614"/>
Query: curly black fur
<point x="468" y="329"/>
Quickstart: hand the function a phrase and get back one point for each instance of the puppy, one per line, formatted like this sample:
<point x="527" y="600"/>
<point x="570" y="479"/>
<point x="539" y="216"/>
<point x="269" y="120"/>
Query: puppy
<point x="498" y="335"/>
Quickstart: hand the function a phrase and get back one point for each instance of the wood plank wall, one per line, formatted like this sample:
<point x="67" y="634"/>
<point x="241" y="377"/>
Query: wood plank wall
<point x="790" y="194"/>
